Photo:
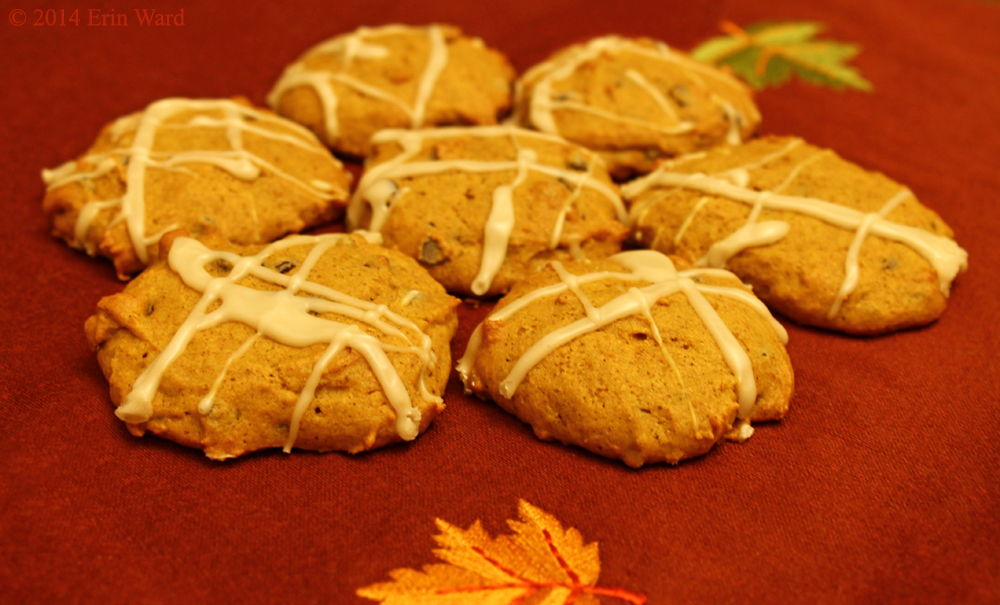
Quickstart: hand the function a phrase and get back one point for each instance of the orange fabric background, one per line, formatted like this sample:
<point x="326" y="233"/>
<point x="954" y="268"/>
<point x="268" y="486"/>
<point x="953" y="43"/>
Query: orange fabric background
<point x="882" y="484"/>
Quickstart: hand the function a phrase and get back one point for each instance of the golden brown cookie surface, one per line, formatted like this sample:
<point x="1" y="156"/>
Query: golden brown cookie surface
<point x="395" y="76"/>
<point x="480" y="207"/>
<point x="821" y="240"/>
<point x="634" y="101"/>
<point x="319" y="342"/>
<point x="632" y="359"/>
<point x="198" y="165"/>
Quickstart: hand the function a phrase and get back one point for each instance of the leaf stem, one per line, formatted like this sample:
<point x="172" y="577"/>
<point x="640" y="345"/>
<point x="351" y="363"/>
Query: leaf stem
<point x="618" y="593"/>
<point x="733" y="30"/>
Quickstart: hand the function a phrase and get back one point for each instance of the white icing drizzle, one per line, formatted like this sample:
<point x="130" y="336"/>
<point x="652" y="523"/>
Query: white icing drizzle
<point x="657" y="96"/>
<point x="739" y="176"/>
<point x="290" y="318"/>
<point x="499" y="225"/>
<point x="749" y="235"/>
<point x="687" y="220"/>
<point x="208" y="401"/>
<point x="575" y="250"/>
<point x="139" y="158"/>
<point x="644" y="265"/>
<point x="358" y="47"/>
<point x="574" y="242"/>
<point x="612" y="116"/>
<point x="378" y="191"/>
<point x="947" y="258"/>
<point x="733" y="117"/>
<point x="544" y="102"/>
<point x="743" y="430"/>
<point x="851" y="266"/>
<point x="435" y="65"/>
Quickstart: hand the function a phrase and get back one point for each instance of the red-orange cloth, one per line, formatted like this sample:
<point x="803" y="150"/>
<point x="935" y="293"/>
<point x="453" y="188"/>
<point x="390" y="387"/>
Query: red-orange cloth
<point x="881" y="486"/>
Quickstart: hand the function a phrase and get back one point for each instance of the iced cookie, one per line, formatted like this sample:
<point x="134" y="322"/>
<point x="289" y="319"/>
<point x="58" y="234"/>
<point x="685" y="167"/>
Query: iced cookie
<point x="480" y="207"/>
<point x="821" y="240"/>
<point x="634" y="101"/>
<point x="197" y="165"/>
<point x="631" y="358"/>
<point x="326" y="342"/>
<point x="348" y="87"/>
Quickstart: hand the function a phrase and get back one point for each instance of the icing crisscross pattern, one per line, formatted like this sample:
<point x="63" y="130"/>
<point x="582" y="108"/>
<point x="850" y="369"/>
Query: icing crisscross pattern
<point x="543" y="101"/>
<point x="944" y="255"/>
<point x="378" y="191"/>
<point x="360" y="47"/>
<point x="292" y="316"/>
<point x="664" y="280"/>
<point x="138" y="158"/>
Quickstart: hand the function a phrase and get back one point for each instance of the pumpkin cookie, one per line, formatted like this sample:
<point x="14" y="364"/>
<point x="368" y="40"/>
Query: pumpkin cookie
<point x="632" y="359"/>
<point x="348" y="87"/>
<point x="820" y="239"/>
<point x="197" y="165"/>
<point x="326" y="342"/>
<point x="479" y="207"/>
<point x="634" y="101"/>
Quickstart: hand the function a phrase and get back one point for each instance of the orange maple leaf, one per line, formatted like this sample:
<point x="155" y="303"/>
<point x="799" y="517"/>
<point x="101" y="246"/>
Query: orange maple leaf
<point x="539" y="564"/>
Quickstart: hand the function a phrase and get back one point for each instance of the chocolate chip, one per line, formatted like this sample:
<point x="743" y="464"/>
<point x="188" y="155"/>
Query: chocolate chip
<point x="640" y="336"/>
<point x="150" y="308"/>
<point x="681" y="95"/>
<point x="222" y="266"/>
<point x="577" y="163"/>
<point x="284" y="266"/>
<point x="430" y="252"/>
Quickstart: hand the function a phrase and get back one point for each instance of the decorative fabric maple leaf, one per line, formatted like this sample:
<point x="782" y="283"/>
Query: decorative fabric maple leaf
<point x="767" y="54"/>
<point x="539" y="564"/>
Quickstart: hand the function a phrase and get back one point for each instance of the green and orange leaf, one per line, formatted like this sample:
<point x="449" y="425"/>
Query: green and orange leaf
<point x="768" y="54"/>
<point x="540" y="563"/>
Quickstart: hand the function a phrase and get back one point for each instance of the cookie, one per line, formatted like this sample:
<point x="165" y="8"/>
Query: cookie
<point x="631" y="358"/>
<point x="197" y="165"/>
<point x="348" y="87"/>
<point x="821" y="240"/>
<point x="634" y="101"/>
<point x="326" y="342"/>
<point x="480" y="207"/>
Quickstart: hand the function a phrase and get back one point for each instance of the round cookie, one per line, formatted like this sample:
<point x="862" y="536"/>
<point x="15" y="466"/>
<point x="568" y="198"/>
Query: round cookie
<point x="632" y="359"/>
<point x="197" y="165"/>
<point x="634" y="101"/>
<point x="480" y="207"/>
<point x="821" y="240"/>
<point x="326" y="342"/>
<point x="395" y="76"/>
